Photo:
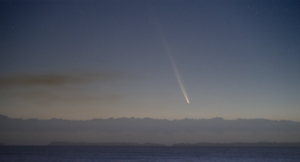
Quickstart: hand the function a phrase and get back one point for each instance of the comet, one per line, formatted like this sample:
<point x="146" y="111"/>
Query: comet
<point x="174" y="67"/>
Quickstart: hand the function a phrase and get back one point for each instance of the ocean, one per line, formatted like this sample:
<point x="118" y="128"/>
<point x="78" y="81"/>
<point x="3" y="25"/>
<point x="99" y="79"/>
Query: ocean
<point x="147" y="154"/>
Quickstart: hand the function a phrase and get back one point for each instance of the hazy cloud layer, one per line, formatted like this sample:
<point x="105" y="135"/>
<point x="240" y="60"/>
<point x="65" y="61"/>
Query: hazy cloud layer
<point x="148" y="125"/>
<point x="50" y="88"/>
<point x="50" y="80"/>
<point x="70" y="96"/>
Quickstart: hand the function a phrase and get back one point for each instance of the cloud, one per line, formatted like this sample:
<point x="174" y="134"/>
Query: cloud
<point x="52" y="80"/>
<point x="148" y="125"/>
<point x="49" y="88"/>
<point x="35" y="131"/>
<point x="40" y="96"/>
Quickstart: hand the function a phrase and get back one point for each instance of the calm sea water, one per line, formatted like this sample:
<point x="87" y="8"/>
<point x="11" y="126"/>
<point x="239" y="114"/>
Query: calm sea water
<point x="165" y="154"/>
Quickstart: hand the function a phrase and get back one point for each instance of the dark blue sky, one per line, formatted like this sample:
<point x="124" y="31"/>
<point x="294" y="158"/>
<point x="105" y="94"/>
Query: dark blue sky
<point x="236" y="59"/>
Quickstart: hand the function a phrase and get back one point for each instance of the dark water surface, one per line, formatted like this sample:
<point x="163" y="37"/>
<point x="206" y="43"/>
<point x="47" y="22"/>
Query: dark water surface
<point x="176" y="154"/>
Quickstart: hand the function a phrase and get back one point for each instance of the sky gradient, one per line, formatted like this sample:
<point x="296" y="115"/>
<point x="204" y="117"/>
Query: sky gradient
<point x="100" y="59"/>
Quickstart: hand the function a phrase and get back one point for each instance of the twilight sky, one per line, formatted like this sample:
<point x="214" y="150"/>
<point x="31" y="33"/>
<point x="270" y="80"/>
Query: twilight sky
<point x="100" y="59"/>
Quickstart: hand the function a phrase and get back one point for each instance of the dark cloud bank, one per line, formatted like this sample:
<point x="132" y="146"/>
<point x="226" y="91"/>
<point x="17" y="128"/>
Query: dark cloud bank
<point x="147" y="125"/>
<point x="146" y="130"/>
<point x="53" y="79"/>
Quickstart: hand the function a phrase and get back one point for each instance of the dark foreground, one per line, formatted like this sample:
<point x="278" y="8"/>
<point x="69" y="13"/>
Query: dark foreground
<point x="124" y="153"/>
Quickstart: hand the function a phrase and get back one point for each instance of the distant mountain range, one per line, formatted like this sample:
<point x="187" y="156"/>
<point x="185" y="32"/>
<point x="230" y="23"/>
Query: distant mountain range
<point x="245" y="144"/>
<point x="102" y="144"/>
<point x="235" y="144"/>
